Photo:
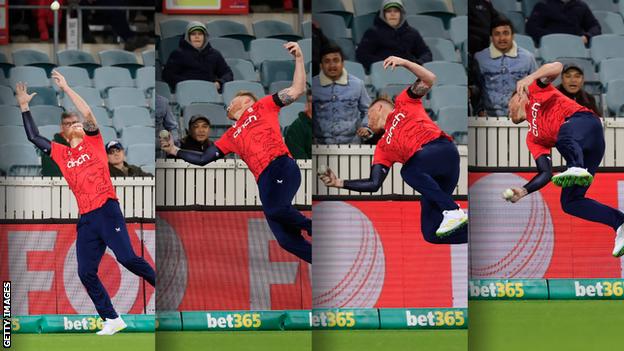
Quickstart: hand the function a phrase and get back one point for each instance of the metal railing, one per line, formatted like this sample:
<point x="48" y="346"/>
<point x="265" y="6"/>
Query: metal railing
<point x="497" y="142"/>
<point x="221" y="183"/>
<point x="41" y="198"/>
<point x="354" y="162"/>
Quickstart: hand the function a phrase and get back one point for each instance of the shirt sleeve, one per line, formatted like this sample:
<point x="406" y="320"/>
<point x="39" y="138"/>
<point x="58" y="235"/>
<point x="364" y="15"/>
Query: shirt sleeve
<point x="381" y="157"/>
<point x="536" y="150"/>
<point x="225" y="144"/>
<point x="55" y="151"/>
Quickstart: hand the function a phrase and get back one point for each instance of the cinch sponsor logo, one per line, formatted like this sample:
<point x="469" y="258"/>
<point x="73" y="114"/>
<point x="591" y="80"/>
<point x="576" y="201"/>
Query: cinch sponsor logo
<point x="397" y="118"/>
<point x="605" y="289"/>
<point x="234" y="320"/>
<point x="79" y="161"/>
<point x="245" y="124"/>
<point x="533" y="123"/>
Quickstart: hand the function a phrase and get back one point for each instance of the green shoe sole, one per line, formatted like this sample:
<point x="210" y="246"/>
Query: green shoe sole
<point x="445" y="234"/>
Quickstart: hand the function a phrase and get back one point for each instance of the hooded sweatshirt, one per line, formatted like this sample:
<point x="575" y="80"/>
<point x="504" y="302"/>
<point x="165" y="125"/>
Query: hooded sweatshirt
<point x="187" y="62"/>
<point x="383" y="40"/>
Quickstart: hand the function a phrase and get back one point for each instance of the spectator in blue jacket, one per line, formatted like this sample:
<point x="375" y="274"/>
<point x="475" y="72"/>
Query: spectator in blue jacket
<point x="562" y="16"/>
<point x="501" y="65"/>
<point x="196" y="59"/>
<point x="340" y="102"/>
<point x="165" y="120"/>
<point x="391" y="35"/>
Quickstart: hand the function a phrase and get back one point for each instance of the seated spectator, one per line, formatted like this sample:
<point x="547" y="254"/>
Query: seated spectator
<point x="49" y="167"/>
<point x="299" y="134"/>
<point x="501" y="65"/>
<point x="165" y="120"/>
<point x="572" y="80"/>
<point x="562" y="16"/>
<point x="198" y="134"/>
<point x="340" y="102"/>
<point x="391" y="35"/>
<point x="196" y="59"/>
<point x="117" y="164"/>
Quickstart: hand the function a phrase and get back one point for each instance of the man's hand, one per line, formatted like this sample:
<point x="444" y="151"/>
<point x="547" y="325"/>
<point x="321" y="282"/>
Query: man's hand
<point x="364" y="133"/>
<point x="59" y="80"/>
<point x="330" y="179"/>
<point x="22" y="96"/>
<point x="168" y="146"/>
<point x="294" y="49"/>
<point x="584" y="39"/>
<point x="519" y="193"/>
<point x="393" y="61"/>
<point x="218" y="85"/>
<point x="522" y="86"/>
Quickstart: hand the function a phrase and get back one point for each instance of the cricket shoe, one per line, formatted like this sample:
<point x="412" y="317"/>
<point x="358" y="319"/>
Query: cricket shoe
<point x="452" y="221"/>
<point x="573" y="176"/>
<point x="112" y="326"/>
<point x="618" y="250"/>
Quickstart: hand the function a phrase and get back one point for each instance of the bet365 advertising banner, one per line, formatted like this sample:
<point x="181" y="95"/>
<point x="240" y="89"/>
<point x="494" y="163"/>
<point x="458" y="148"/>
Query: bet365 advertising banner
<point x="371" y="254"/>
<point x="534" y="238"/>
<point x="40" y="261"/>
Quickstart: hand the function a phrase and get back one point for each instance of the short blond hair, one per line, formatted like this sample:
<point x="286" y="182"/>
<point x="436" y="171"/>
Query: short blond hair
<point x="247" y="93"/>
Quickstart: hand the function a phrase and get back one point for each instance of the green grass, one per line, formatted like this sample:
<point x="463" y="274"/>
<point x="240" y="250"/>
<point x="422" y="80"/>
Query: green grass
<point x="83" y="342"/>
<point x="546" y="325"/>
<point x="390" y="340"/>
<point x="234" y="341"/>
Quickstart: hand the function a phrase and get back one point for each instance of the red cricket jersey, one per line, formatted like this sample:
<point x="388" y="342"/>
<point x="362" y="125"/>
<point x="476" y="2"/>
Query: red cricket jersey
<point x="85" y="168"/>
<point x="407" y="129"/>
<point x="256" y="137"/>
<point x="546" y="111"/>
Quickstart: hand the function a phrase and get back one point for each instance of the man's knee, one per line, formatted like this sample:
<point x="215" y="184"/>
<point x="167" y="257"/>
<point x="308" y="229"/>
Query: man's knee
<point x="276" y="213"/>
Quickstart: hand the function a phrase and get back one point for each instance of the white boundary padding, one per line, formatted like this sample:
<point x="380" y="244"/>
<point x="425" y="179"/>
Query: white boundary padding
<point x="221" y="183"/>
<point x="497" y="142"/>
<point x="354" y="162"/>
<point x="51" y="198"/>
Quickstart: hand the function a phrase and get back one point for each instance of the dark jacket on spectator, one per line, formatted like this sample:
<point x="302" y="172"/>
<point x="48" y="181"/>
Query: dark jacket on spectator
<point x="480" y="16"/>
<point x="49" y="168"/>
<point x="133" y="171"/>
<point x="205" y="63"/>
<point x="555" y="16"/>
<point x="382" y="41"/>
<point x="299" y="137"/>
<point x="583" y="98"/>
<point x="189" y="143"/>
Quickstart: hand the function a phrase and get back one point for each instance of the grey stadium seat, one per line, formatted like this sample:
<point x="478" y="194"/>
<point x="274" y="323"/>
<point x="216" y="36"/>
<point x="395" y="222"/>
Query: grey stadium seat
<point x="361" y="24"/>
<point x="230" y="48"/>
<point x="242" y="69"/>
<point x="428" y="26"/>
<point x="606" y="46"/>
<point x="610" y="22"/>
<point x="120" y="58"/>
<point x="138" y="135"/>
<point x="192" y="91"/>
<point x="149" y="57"/>
<point x="90" y="95"/>
<point x="553" y="46"/>
<point x="452" y="120"/>
<point x="611" y="69"/>
<point x="289" y="114"/>
<point x="229" y="29"/>
<point x="457" y="30"/>
<point x="381" y="77"/>
<point x="18" y="154"/>
<point x="108" y="77"/>
<point x="230" y="89"/>
<point x="215" y="113"/>
<point x="109" y="133"/>
<point x="6" y="96"/>
<point x="33" y="76"/>
<point x="11" y="116"/>
<point x="45" y="96"/>
<point x="126" y="116"/>
<point x="364" y="7"/>
<point x="615" y="98"/>
<point x="274" y="29"/>
<point x="447" y="95"/>
<point x="75" y="76"/>
<point x="526" y="42"/>
<point x="140" y="154"/>
<point x="145" y="79"/>
<point x="279" y="85"/>
<point x="14" y="134"/>
<point x="124" y="96"/>
<point x="45" y="115"/>
<point x="356" y="69"/>
<point x="172" y="27"/>
<point x="448" y="73"/>
<point x="77" y="58"/>
<point x="268" y="49"/>
<point x="333" y="26"/>
<point x="442" y="49"/>
<point x="271" y="71"/>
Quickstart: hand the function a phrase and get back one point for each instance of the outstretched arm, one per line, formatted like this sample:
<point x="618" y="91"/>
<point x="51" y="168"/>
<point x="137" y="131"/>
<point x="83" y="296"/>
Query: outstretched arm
<point x="544" y="173"/>
<point x="90" y="123"/>
<point x="546" y="74"/>
<point x="425" y="80"/>
<point x="32" y="132"/>
<point x="291" y="94"/>
<point x="212" y="153"/>
<point x="377" y="175"/>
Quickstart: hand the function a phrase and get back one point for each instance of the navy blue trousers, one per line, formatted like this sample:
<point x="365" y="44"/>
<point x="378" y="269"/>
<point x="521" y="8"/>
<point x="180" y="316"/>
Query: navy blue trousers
<point x="277" y="185"/>
<point x="433" y="171"/>
<point x="581" y="143"/>
<point x="98" y="229"/>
